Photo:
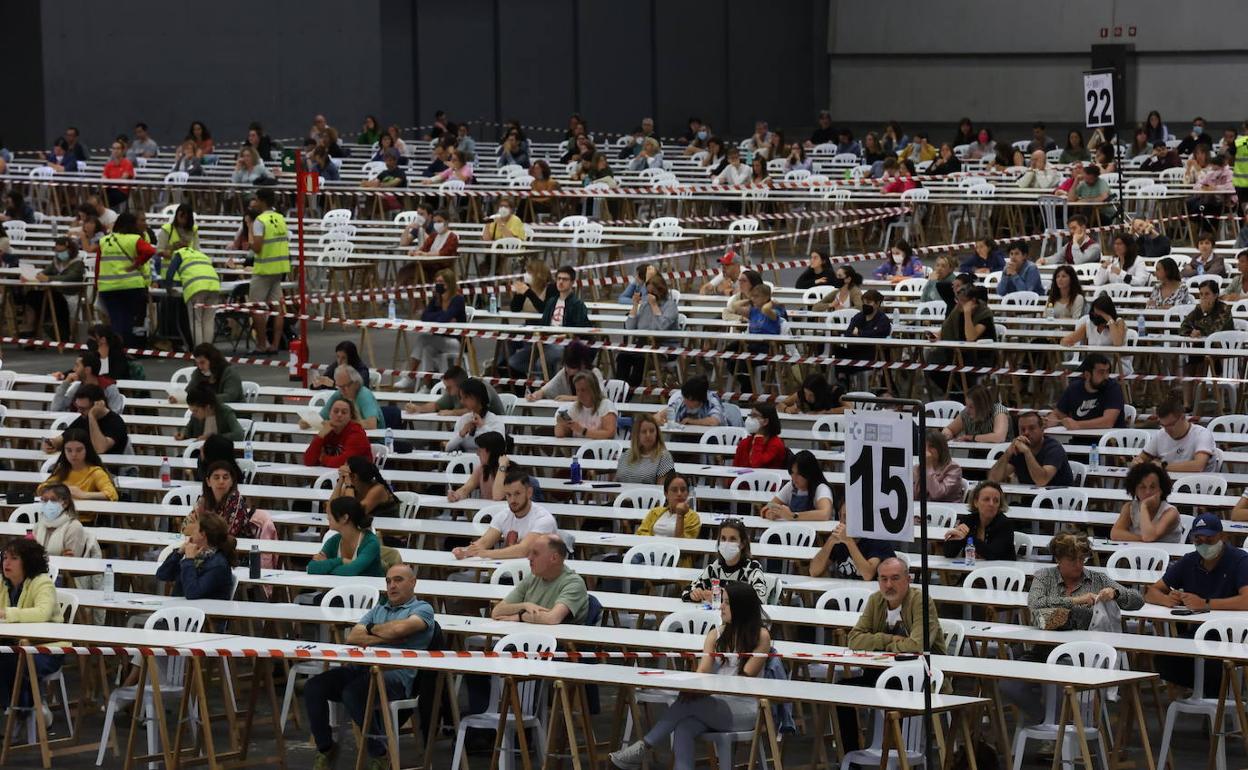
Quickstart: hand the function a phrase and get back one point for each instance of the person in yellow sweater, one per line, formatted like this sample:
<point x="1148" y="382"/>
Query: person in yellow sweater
<point x="27" y="596"/>
<point x="676" y="517"/>
<point x="81" y="470"/>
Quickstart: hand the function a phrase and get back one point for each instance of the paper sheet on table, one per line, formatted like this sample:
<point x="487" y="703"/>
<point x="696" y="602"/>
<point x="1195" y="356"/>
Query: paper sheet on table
<point x="312" y="417"/>
<point x="28" y="271"/>
<point x="178" y="394"/>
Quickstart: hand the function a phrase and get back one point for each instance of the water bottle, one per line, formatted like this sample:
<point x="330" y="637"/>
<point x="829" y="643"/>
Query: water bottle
<point x="249" y="454"/>
<point x="165" y="480"/>
<point x="391" y="311"/>
<point x="1094" y="456"/>
<point x="30" y="533"/>
<point x="108" y="583"/>
<point x="1200" y="268"/>
<point x="717" y="594"/>
<point x="970" y="551"/>
<point x="253" y="562"/>
<point x="1139" y="324"/>
<point x="493" y="303"/>
<point x="389" y="440"/>
<point x="156" y="276"/>
<point x="575" y="471"/>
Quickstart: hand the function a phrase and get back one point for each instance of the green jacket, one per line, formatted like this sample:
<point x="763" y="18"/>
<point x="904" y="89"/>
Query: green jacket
<point x="229" y="389"/>
<point x="227" y="425"/>
<point x="868" y="633"/>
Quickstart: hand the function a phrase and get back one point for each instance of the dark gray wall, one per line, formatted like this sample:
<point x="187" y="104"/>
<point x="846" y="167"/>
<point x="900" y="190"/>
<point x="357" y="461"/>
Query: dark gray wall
<point x="21" y="120"/>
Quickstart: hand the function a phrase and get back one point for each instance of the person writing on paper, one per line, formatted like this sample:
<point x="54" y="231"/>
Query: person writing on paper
<point x="1148" y="517"/>
<point x="493" y="461"/>
<point x="805" y="497"/>
<point x="449" y="402"/>
<point x="354" y="548"/>
<point x="81" y="470"/>
<point x="1214" y="576"/>
<point x="743" y="630"/>
<point x="66" y="267"/>
<point x="987" y="523"/>
<point x="105" y="427"/>
<point x="983" y="420"/>
<point x="58" y="529"/>
<point x="732" y="564"/>
<point x="345" y="354"/>
<point x="338" y="439"/>
<point x="1181" y="446"/>
<point x="477" y="420"/>
<point x="1033" y="458"/>
<point x="401" y="622"/>
<point x="28" y="596"/>
<point x="512" y="531"/>
<point x="551" y="593"/>
<point x="350" y="387"/>
<point x="200" y="568"/>
<point x="592" y="415"/>
<point x="848" y="557"/>
<point x="209" y="417"/>
<point x="694" y="404"/>
<point x="212" y="368"/>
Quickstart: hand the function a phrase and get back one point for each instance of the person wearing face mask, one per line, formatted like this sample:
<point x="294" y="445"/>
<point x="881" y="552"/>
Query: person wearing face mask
<point x="58" y="529"/>
<point x="983" y="146"/>
<point x="902" y="263"/>
<point x="66" y="267"/>
<point x="732" y="564"/>
<point x="870" y="323"/>
<point x="846" y="294"/>
<point x="1196" y="137"/>
<point x="441" y="241"/>
<point x="763" y="448"/>
<point x="1214" y="576"/>
<point x="505" y="224"/>
<point x="435" y="352"/>
<point x="421" y="227"/>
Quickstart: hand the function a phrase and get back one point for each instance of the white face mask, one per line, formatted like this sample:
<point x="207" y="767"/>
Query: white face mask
<point x="752" y="425"/>
<point x="729" y="551"/>
<point x="899" y="259"/>
<point x="504" y="212"/>
<point x="51" y="510"/>
<point x="439" y="227"/>
<point x="1209" y="550"/>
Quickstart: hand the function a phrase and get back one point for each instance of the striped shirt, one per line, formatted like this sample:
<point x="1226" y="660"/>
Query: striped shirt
<point x="1048" y="591"/>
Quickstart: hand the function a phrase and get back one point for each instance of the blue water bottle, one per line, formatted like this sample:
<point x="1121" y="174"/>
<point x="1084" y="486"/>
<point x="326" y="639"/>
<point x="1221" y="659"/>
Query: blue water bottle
<point x="575" y="471"/>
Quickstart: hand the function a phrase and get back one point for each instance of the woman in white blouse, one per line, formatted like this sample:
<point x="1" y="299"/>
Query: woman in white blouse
<point x="1124" y="265"/>
<point x="477" y="421"/>
<point x="591" y="415"/>
<point x="736" y="172"/>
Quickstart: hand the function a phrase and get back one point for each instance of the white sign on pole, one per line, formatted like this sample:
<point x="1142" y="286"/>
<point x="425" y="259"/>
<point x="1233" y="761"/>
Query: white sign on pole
<point x="1098" y="99"/>
<point x="879" y="458"/>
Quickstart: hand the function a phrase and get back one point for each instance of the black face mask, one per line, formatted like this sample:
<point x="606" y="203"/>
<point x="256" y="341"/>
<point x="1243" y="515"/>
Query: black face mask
<point x="868" y="310"/>
<point x="836" y="282"/>
<point x="439" y="288"/>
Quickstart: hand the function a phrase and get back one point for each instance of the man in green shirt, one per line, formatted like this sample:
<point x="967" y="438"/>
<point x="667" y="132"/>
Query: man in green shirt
<point x="551" y="594"/>
<point x="1092" y="188"/>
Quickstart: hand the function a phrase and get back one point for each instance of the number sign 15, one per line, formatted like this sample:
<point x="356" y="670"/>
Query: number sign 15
<point x="879" y="458"/>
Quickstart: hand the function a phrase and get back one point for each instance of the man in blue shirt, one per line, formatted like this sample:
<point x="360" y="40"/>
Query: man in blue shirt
<point x="694" y="404"/>
<point x="1019" y="273"/>
<point x="1094" y="400"/>
<point x="1212" y="577"/>
<point x="402" y="622"/>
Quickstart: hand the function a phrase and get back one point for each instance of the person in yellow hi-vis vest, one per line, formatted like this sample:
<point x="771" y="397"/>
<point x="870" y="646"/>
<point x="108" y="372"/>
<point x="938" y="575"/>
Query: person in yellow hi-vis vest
<point x="271" y="245"/>
<point x="201" y="290"/>
<point x="121" y="275"/>
<point x="1239" y="175"/>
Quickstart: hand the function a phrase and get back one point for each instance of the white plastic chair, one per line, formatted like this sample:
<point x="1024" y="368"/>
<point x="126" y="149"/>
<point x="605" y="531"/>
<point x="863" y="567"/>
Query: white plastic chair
<point x="251" y="391"/>
<point x="182" y="496"/>
<point x="760" y="480"/>
<point x="1064" y="499"/>
<point x="791" y="534"/>
<point x="188" y="619"/>
<point x="955" y="634"/>
<point x="996" y="578"/>
<point x="409" y="504"/>
<point x="722" y="435"/>
<point x="1200" y="484"/>
<point x="510" y="572"/>
<point x="182" y="376"/>
<point x="943" y="514"/>
<point x="459" y="465"/>
<point x="1220" y="630"/>
<point x="601" y="449"/>
<point x="26" y="514"/>
<point x="639" y="498"/>
<point x="1084" y="655"/>
<point x="842" y="599"/>
<point x="530" y="692"/>
<point x="829" y="427"/>
<point x="943" y="410"/>
<point x="657" y="554"/>
<point x="1128" y="438"/>
<point x="1028" y="547"/>
<point x="910" y="677"/>
<point x="1139" y="557"/>
<point x="617" y="391"/>
<point x="67" y="610"/>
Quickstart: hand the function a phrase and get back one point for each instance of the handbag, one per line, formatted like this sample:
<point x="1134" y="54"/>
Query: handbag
<point x="1106" y="616"/>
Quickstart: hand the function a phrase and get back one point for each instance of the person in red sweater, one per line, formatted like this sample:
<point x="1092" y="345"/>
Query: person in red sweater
<point x="763" y="448"/>
<point x="339" y="439"/>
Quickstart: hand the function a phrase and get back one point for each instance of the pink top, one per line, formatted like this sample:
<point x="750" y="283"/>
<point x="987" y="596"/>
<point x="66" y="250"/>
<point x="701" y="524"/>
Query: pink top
<point x="465" y="174"/>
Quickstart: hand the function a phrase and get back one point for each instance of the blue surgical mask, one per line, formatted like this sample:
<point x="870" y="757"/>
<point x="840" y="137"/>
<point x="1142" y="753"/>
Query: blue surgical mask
<point x="1198" y="130"/>
<point x="702" y="135"/>
<point x="61" y="256"/>
<point x="50" y="510"/>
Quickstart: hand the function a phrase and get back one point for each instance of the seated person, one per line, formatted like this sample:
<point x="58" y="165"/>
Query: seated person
<point x="209" y="416"/>
<point x="725" y="283"/>
<point x="401" y="622"/>
<point x="902" y="263"/>
<point x="732" y="564"/>
<point x="1102" y="326"/>
<point x="646" y="460"/>
<point x="350" y="387"/>
<point x="86" y="371"/>
<point x="807" y="496"/>
<point x="201" y="568"/>
<point x="694" y="404"/>
<point x="493" y="461"/>
<point x="1148" y="517"/>
<point x="577" y="358"/>
<point x="1181" y="446"/>
<point x="80" y="469"/>
<point x="551" y="593"/>
<point x="354" y="548"/>
<point x="28" y="595"/>
<point x="58" y="529"/>
<point x="983" y="420"/>
<point x="221" y="497"/>
<point x="504" y="224"/>
<point x="743" y="630"/>
<point x="738" y="303"/>
<point x="477" y="420"/>
<point x="1214" y="576"/>
<point x="106" y="428"/>
<point x="338" y="439"/>
<point x="869" y="323"/>
<point x="67" y="266"/>
<point x="848" y="557"/>
<point x="362" y="480"/>
<point x="1092" y="189"/>
<point x="763" y="448"/>
<point x="592" y="415"/>
<point x="1210" y="316"/>
<point x="986" y="259"/>
<point x="449" y="402"/>
<point x="676" y="517"/>
<point x="513" y="530"/>
<point x="1081" y="248"/>
<point x="944" y="476"/>
<point x="345" y="354"/>
<point x="816" y="396"/>
<point x="1204" y="261"/>
<point x="987" y="523"/>
<point x="1033" y="458"/>
<point x="637" y="284"/>
<point x="1152" y="243"/>
<point x="1094" y="400"/>
<point x="1019" y="273"/>
<point x="846" y="291"/>
<point x="212" y="368"/>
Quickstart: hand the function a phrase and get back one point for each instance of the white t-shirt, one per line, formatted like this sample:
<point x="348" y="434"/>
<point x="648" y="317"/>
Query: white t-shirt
<point x="1171" y="450"/>
<point x="491" y="423"/>
<point x="1096" y="337"/>
<point x="108" y="219"/>
<point x="513" y="529"/>
<point x="556" y="317"/>
<point x="665" y="525"/>
<point x="822" y="492"/>
<point x="591" y="419"/>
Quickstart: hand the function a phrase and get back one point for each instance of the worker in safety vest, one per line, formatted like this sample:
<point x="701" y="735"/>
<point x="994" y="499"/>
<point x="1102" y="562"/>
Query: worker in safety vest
<point x="201" y="291"/>
<point x="271" y="245"/>
<point x="1239" y="176"/>
<point x="121" y="276"/>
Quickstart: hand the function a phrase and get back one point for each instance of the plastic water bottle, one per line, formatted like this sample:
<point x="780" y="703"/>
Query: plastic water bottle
<point x="249" y="454"/>
<point x="717" y="594"/>
<point x="165" y="480"/>
<point x="1200" y="268"/>
<point x="1094" y="456"/>
<point x="156" y="276"/>
<point x="1140" y="324"/>
<point x="493" y="303"/>
<point x="253" y="562"/>
<point x="970" y="551"/>
<point x="389" y="440"/>
<point x="575" y="471"/>
<point x="109" y="594"/>
<point x="391" y="312"/>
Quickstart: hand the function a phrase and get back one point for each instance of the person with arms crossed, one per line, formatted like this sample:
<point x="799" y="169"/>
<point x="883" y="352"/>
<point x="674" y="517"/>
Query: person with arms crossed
<point x="1033" y="458"/>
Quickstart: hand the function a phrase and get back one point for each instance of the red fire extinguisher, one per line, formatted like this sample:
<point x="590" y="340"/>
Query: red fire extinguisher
<point x="298" y="357"/>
